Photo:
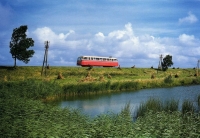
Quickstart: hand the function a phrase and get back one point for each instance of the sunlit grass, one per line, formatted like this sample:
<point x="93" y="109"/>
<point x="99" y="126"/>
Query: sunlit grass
<point x="75" y="80"/>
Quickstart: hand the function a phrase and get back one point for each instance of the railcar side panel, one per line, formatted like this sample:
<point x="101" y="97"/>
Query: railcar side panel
<point x="87" y="61"/>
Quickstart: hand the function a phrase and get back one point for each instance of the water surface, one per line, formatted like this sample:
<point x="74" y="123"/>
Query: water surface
<point x="94" y="105"/>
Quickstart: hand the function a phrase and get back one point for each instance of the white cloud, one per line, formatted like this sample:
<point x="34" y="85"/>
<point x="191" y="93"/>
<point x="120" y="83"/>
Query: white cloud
<point x="45" y="33"/>
<point x="100" y="37"/>
<point x="143" y="50"/>
<point x="188" y="40"/>
<point x="191" y="18"/>
<point x="122" y="34"/>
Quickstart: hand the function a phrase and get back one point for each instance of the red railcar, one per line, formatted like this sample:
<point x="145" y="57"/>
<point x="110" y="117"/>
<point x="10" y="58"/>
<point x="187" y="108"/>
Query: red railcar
<point x="88" y="61"/>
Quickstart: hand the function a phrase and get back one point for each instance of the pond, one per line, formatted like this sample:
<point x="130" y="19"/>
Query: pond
<point x="94" y="105"/>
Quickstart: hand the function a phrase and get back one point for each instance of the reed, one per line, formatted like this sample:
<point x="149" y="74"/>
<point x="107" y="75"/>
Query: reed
<point x="126" y="111"/>
<point x="198" y="101"/>
<point x="187" y="107"/>
<point x="171" y="105"/>
<point x="152" y="104"/>
<point x="32" y="89"/>
<point x="165" y="124"/>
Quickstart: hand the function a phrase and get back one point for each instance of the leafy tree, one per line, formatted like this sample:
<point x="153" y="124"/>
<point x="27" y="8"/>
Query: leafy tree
<point x="167" y="62"/>
<point x="19" y="45"/>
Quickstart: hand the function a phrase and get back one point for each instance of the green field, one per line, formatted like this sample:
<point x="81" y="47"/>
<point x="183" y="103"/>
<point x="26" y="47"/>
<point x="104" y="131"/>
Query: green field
<point x="23" y="112"/>
<point x="76" y="75"/>
<point x="101" y="79"/>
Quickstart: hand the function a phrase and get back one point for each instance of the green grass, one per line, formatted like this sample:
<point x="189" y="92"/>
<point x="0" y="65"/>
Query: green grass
<point x="75" y="74"/>
<point x="165" y="124"/>
<point x="79" y="80"/>
<point x="27" y="118"/>
<point x="24" y="114"/>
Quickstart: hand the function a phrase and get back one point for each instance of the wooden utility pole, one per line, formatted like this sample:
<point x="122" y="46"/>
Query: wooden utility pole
<point x="198" y="68"/>
<point x="160" y="62"/>
<point x="44" y="66"/>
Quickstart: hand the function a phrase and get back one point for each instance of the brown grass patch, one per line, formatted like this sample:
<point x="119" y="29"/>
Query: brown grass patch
<point x="60" y="76"/>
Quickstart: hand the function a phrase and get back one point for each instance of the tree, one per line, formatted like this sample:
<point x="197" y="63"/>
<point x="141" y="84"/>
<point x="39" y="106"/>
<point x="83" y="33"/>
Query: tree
<point x="19" y="45"/>
<point x="167" y="62"/>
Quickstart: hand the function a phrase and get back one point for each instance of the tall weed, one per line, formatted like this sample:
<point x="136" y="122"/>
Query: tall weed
<point x="187" y="107"/>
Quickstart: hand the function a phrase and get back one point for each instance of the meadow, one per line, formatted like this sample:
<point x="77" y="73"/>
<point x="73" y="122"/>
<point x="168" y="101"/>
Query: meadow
<point x="79" y="80"/>
<point x="24" y="113"/>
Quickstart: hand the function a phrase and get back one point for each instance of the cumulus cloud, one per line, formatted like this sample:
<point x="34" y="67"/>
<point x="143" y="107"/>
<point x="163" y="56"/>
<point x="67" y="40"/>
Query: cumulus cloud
<point x="45" y="33"/>
<point x="189" y="40"/>
<point x="191" y="18"/>
<point x="186" y="38"/>
<point x="122" y="34"/>
<point x="99" y="37"/>
<point x="130" y="49"/>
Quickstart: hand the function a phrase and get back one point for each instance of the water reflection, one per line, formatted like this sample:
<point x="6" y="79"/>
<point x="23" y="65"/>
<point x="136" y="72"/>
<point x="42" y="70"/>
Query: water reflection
<point x="94" y="105"/>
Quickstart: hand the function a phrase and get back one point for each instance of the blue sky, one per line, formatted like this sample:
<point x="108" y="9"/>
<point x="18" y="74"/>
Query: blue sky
<point x="137" y="32"/>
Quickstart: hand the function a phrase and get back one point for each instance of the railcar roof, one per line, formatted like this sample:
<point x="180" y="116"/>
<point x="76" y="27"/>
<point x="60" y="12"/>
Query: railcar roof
<point x="99" y="57"/>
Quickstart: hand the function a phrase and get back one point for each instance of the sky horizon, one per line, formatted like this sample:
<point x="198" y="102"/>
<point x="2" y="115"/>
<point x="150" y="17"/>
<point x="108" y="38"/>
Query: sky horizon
<point x="136" y="32"/>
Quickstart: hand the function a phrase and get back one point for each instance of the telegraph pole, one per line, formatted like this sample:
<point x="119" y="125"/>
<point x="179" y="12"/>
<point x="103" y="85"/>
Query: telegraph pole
<point x="44" y="66"/>
<point x="160" y="62"/>
<point x="198" y="67"/>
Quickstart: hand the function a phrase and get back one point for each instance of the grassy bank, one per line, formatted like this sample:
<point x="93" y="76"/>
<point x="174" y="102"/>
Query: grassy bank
<point x="23" y="114"/>
<point x="79" y="80"/>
